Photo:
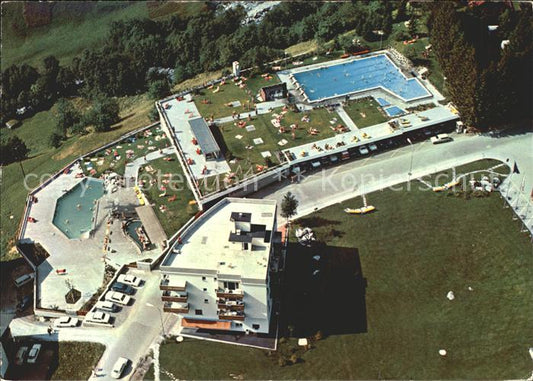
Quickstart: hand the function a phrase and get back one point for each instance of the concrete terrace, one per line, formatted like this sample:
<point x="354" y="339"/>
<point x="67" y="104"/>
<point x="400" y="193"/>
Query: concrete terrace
<point x="178" y="113"/>
<point x="83" y="259"/>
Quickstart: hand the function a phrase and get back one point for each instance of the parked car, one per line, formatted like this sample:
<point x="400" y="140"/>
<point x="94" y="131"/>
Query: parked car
<point x="117" y="297"/>
<point x="21" y="355"/>
<point x="106" y="306"/>
<point x="373" y="147"/>
<point x="34" y="353"/>
<point x="119" y="367"/>
<point x="66" y="321"/>
<point x="121" y="287"/>
<point x="363" y="150"/>
<point x="441" y="138"/>
<point x="25" y="303"/>
<point x="132" y="280"/>
<point x="23" y="279"/>
<point x="98" y="317"/>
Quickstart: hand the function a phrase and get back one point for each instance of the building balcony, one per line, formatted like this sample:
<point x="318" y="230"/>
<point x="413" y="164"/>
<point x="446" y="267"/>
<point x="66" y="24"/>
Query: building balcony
<point x="230" y="294"/>
<point x="230" y="315"/>
<point x="176" y="307"/>
<point x="167" y="284"/>
<point x="231" y="305"/>
<point x="174" y="296"/>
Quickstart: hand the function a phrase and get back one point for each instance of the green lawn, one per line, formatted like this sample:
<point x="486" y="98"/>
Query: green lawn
<point x="264" y="129"/>
<point x="217" y="106"/>
<point x="415" y="248"/>
<point x="142" y="143"/>
<point x="76" y="360"/>
<point x="178" y="211"/>
<point x="365" y="112"/>
<point x="74" y="27"/>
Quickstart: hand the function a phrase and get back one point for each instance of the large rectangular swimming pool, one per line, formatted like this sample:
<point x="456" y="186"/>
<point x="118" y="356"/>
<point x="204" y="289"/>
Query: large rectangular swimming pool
<point x="359" y="75"/>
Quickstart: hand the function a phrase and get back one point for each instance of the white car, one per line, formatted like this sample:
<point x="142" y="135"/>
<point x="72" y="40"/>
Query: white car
<point x="119" y="367"/>
<point x="441" y="138"/>
<point x="373" y="147"/>
<point x="66" y="321"/>
<point x="106" y="305"/>
<point x="132" y="280"/>
<point x="33" y="353"/>
<point x="363" y="150"/>
<point x="98" y="317"/>
<point x="117" y="297"/>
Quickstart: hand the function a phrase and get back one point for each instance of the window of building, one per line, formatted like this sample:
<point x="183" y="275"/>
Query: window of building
<point x="231" y="285"/>
<point x="206" y="301"/>
<point x="238" y="325"/>
<point x="203" y="278"/>
<point x="205" y="289"/>
<point x="255" y="326"/>
<point x="198" y="312"/>
<point x="215" y="279"/>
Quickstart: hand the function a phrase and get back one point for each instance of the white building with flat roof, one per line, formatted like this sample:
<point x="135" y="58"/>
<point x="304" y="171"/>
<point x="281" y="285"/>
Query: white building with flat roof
<point x="217" y="274"/>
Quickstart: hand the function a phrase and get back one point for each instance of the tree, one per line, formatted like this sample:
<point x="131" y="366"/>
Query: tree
<point x="158" y="89"/>
<point x="413" y="25"/>
<point x="13" y="149"/>
<point x="386" y="25"/>
<point x="104" y="113"/>
<point x="55" y="139"/>
<point x="289" y="204"/>
<point x="67" y="116"/>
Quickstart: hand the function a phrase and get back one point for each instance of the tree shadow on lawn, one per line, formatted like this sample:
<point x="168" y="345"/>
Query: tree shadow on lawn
<point x="316" y="221"/>
<point x="326" y="295"/>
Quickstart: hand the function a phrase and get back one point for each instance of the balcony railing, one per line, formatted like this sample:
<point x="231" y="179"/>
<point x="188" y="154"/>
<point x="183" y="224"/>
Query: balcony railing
<point x="176" y="307"/>
<point x="230" y="294"/>
<point x="230" y="315"/>
<point x="166" y="285"/>
<point x="232" y="305"/>
<point x="174" y="296"/>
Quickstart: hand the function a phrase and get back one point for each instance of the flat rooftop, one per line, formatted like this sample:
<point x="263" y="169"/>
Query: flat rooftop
<point x="179" y="114"/>
<point x="205" y="245"/>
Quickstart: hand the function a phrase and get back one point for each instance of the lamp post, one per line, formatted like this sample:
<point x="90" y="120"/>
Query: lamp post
<point x="381" y="33"/>
<point x="412" y="153"/>
<point x="160" y="317"/>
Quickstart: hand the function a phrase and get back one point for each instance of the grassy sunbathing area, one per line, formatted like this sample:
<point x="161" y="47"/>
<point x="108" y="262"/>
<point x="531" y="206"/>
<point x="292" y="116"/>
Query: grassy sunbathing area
<point x="216" y="102"/>
<point x="115" y="158"/>
<point x="399" y="313"/>
<point x="365" y="112"/>
<point x="167" y="189"/>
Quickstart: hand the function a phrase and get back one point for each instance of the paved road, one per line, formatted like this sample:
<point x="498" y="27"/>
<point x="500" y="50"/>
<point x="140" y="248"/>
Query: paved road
<point x="336" y="184"/>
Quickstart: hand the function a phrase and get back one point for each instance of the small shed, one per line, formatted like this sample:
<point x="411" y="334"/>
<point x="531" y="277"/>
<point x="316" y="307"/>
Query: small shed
<point x="204" y="137"/>
<point x="12" y="123"/>
<point x="273" y="92"/>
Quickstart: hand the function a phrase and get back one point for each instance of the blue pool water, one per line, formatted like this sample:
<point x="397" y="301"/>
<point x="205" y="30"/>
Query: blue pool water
<point x="74" y="210"/>
<point x="359" y="75"/>
<point x="382" y="102"/>
<point x="394" y="111"/>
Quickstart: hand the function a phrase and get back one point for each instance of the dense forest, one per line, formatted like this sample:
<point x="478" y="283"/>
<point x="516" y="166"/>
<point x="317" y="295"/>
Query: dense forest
<point x="486" y="53"/>
<point x="489" y="85"/>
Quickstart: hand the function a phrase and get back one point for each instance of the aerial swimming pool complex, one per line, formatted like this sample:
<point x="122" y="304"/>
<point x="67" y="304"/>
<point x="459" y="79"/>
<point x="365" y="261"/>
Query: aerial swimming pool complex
<point x="75" y="209"/>
<point x="362" y="74"/>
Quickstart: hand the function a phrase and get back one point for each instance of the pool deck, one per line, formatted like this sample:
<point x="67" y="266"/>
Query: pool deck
<point x="374" y="133"/>
<point x="83" y="259"/>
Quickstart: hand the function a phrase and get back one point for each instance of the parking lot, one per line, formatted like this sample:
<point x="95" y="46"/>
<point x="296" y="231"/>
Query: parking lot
<point x="121" y="312"/>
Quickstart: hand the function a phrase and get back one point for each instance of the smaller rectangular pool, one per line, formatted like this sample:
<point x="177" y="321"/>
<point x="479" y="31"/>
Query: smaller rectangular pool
<point x="394" y="111"/>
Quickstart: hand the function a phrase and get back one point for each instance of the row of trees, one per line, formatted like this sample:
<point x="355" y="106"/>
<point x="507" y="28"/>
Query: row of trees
<point x="490" y="84"/>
